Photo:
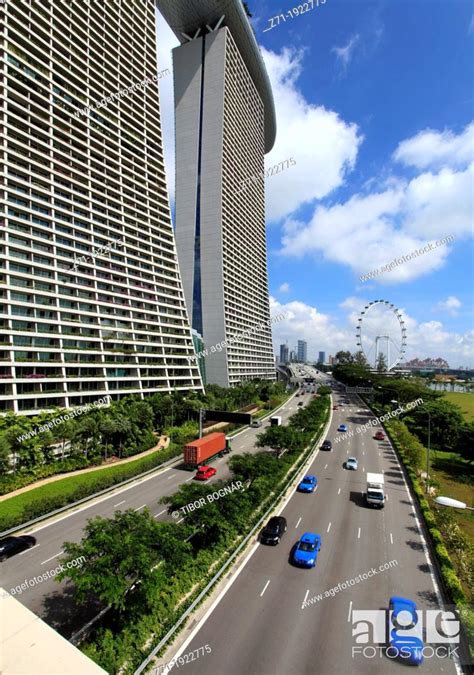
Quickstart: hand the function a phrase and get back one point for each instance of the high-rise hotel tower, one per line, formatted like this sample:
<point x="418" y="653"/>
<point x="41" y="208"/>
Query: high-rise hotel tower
<point x="225" y="123"/>
<point x="91" y="300"/>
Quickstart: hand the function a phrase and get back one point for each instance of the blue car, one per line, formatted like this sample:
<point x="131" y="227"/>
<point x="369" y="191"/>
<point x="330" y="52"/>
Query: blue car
<point x="409" y="648"/>
<point x="307" y="549"/>
<point x="308" y="484"/>
<point x="342" y="427"/>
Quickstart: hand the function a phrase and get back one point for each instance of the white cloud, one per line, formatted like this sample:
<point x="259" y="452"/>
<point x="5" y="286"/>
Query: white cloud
<point x="166" y="41"/>
<point x="326" y="333"/>
<point x="432" y="148"/>
<point x="304" y="322"/>
<point x="284" y="288"/>
<point x="344" y="54"/>
<point x="450" y="305"/>
<point x="321" y="164"/>
<point x="369" y="231"/>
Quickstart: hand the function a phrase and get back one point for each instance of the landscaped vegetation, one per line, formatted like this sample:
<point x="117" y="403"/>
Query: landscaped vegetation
<point x="149" y="572"/>
<point x="451" y="467"/>
<point x="125" y="428"/>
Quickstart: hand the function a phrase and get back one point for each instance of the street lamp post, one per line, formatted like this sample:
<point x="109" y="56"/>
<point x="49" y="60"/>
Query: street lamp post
<point x="453" y="503"/>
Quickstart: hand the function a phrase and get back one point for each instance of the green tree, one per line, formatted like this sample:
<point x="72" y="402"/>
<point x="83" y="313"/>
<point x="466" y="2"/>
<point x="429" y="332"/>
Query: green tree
<point x="120" y="552"/>
<point x="344" y="357"/>
<point x="5" y="454"/>
<point x="360" y="360"/>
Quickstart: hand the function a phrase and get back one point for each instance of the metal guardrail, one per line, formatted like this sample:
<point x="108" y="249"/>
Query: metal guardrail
<point x="221" y="571"/>
<point x="110" y="489"/>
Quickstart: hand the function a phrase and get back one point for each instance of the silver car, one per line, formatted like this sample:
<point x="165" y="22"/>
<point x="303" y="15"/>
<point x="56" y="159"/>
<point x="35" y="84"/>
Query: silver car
<point x="352" y="463"/>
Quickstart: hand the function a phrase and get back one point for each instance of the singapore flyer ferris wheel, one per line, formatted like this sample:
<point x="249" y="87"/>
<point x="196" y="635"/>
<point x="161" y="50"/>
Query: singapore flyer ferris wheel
<point x="381" y="334"/>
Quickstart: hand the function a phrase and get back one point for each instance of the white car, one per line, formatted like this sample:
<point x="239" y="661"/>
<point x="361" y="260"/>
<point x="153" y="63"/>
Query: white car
<point x="352" y="463"/>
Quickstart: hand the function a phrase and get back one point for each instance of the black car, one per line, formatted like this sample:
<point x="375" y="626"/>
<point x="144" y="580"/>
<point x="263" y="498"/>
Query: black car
<point x="273" y="530"/>
<point x="327" y="445"/>
<point x="11" y="545"/>
<point x="301" y="403"/>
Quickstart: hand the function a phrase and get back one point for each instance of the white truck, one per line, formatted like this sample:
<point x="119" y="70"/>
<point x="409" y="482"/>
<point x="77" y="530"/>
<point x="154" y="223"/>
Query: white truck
<point x="275" y="421"/>
<point x="375" y="495"/>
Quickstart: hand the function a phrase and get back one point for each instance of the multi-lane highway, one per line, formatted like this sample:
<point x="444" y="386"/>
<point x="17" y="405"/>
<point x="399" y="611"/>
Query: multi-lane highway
<point x="52" y="601"/>
<point x="259" y="624"/>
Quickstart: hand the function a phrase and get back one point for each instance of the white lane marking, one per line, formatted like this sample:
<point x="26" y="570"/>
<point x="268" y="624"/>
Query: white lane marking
<point x="122" y="502"/>
<point x="29" y="549"/>
<point x="326" y="466"/>
<point x="181" y="520"/>
<point x="339" y="491"/>
<point x="386" y="498"/>
<point x="350" y="611"/>
<point x="94" y="502"/>
<point x="52" y="557"/>
<point x="304" y="601"/>
<point x="391" y="538"/>
<point x="363" y="452"/>
<point x="347" y="452"/>
<point x="299" y="521"/>
<point x="363" y="469"/>
<point x="188" y="479"/>
<point x="265" y="588"/>
<point x="159" y="514"/>
<point x="140" y="507"/>
<point x="329" y="527"/>
<point x="170" y="477"/>
<point x="358" y="534"/>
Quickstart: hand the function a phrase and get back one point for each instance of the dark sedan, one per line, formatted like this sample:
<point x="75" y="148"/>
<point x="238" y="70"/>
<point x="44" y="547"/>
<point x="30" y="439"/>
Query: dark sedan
<point x="273" y="530"/>
<point x="11" y="545"/>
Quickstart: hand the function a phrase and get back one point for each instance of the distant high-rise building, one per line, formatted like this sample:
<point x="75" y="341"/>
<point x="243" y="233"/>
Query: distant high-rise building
<point x="302" y="351"/>
<point x="322" y="357"/>
<point x="293" y="356"/>
<point x="284" y="358"/>
<point x="225" y="123"/>
<point x="331" y="360"/>
<point x="92" y="301"/>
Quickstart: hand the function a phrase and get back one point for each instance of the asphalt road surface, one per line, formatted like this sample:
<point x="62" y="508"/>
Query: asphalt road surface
<point x="259" y="626"/>
<point x="54" y="602"/>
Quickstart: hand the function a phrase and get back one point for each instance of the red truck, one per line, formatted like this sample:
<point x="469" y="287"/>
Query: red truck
<point x="199" y="451"/>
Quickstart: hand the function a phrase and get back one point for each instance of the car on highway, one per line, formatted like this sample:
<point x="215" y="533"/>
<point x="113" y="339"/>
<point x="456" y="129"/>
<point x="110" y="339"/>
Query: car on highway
<point x="273" y="531"/>
<point x="308" y="484"/>
<point x="352" y="463"/>
<point x="409" y="648"/>
<point x="301" y="403"/>
<point x="256" y="424"/>
<point x="11" y="545"/>
<point x="327" y="445"/>
<point x="307" y="549"/>
<point x="342" y="427"/>
<point x="335" y="407"/>
<point x="379" y="436"/>
<point x="205" y="472"/>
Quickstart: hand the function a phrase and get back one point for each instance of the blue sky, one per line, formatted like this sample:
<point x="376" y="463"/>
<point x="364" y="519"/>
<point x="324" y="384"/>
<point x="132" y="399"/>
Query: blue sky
<point x="374" y="102"/>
